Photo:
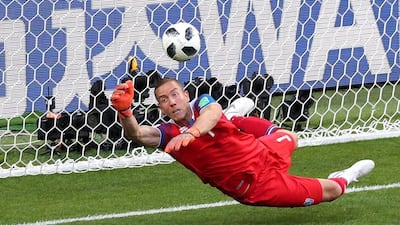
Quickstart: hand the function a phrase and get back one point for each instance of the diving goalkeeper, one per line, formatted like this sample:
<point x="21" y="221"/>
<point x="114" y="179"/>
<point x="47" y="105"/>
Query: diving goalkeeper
<point x="247" y="158"/>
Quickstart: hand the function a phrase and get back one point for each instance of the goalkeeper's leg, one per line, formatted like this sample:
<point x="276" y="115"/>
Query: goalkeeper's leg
<point x="254" y="125"/>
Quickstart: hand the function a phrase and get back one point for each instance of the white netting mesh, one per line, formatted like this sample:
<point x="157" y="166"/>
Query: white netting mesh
<point x="327" y="69"/>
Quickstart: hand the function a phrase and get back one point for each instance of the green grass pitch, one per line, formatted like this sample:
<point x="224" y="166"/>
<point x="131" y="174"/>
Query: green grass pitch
<point x="170" y="194"/>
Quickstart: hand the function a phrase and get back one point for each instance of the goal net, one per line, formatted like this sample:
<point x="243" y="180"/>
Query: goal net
<point x="328" y="70"/>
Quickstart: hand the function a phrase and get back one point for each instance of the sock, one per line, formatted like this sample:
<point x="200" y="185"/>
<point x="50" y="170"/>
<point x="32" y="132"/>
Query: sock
<point x="254" y="125"/>
<point x="342" y="183"/>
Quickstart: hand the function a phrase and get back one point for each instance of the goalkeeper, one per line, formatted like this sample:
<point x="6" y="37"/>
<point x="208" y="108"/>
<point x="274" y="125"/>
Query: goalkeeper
<point x="247" y="158"/>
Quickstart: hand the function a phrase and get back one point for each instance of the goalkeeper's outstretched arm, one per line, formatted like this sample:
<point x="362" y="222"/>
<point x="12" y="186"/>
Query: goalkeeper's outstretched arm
<point x="121" y="99"/>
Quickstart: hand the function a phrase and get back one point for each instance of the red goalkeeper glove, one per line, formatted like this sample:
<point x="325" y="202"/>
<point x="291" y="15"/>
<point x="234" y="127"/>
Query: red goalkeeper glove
<point x="122" y="98"/>
<point x="182" y="140"/>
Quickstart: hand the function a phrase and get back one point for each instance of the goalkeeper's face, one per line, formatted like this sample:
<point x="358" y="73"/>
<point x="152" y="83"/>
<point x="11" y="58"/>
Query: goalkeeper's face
<point x="173" y="101"/>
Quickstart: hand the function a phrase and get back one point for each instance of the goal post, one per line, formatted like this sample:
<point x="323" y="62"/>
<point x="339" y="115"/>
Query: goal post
<point x="329" y="70"/>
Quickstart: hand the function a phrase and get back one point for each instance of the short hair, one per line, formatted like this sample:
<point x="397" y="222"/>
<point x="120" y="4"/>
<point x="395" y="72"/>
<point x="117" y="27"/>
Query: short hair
<point x="164" y="81"/>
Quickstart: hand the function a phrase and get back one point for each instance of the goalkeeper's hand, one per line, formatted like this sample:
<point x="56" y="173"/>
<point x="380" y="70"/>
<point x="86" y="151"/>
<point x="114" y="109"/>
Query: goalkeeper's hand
<point x="122" y="98"/>
<point x="182" y="140"/>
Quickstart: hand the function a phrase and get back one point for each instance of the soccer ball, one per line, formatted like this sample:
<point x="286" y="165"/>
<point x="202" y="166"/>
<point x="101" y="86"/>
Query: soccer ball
<point x="181" y="41"/>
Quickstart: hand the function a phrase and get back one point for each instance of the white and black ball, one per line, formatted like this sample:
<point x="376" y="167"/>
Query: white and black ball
<point x="181" y="41"/>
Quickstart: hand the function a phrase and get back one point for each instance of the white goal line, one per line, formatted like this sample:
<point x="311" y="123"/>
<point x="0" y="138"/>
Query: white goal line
<point x="186" y="207"/>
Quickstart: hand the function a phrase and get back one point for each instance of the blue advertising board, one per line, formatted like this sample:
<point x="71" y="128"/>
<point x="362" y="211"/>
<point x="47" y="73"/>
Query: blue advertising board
<point x="59" y="48"/>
